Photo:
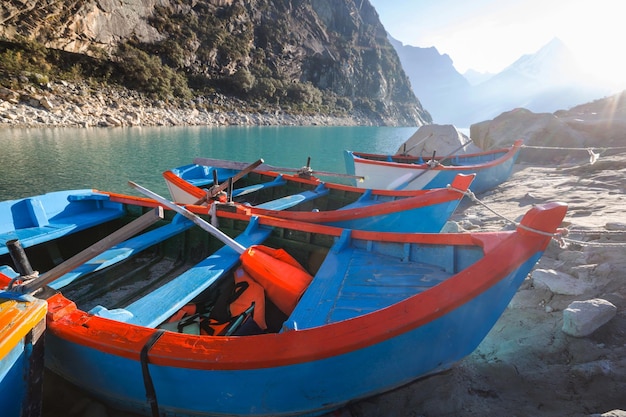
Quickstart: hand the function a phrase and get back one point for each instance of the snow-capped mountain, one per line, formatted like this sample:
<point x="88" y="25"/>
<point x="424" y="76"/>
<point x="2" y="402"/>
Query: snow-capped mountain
<point x="546" y="81"/>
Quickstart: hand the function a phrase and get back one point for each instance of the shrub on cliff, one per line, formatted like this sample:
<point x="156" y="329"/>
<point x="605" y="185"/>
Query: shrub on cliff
<point x="147" y="73"/>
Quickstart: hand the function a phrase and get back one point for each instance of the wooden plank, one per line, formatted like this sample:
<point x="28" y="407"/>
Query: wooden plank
<point x="156" y="307"/>
<point x="352" y="282"/>
<point x="124" y="250"/>
<point x="221" y="163"/>
<point x="94" y="250"/>
<point x="279" y="181"/>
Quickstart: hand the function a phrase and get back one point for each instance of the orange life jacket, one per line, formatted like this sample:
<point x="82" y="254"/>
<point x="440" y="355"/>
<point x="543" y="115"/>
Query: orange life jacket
<point x="186" y="310"/>
<point x="248" y="291"/>
<point x="282" y="277"/>
<point x="264" y="271"/>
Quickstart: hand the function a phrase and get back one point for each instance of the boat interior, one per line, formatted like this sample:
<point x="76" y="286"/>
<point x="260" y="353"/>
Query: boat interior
<point x="181" y="263"/>
<point x="275" y="193"/>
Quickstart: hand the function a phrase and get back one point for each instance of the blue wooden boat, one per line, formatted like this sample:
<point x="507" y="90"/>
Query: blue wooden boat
<point x="405" y="172"/>
<point x="22" y="323"/>
<point x="307" y="199"/>
<point x="348" y="313"/>
<point x="51" y="216"/>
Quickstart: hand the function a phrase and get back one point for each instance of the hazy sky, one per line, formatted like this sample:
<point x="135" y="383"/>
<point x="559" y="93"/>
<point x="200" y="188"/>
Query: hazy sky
<point x="489" y="35"/>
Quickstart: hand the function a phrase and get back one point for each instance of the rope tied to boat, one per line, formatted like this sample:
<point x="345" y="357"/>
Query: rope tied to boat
<point x="213" y="215"/>
<point x="593" y="156"/>
<point x="560" y="236"/>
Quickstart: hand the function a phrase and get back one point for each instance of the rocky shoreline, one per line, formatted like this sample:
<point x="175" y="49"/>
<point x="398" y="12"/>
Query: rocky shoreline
<point x="63" y="104"/>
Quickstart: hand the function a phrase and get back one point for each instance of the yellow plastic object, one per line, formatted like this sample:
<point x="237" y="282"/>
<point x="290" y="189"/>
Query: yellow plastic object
<point x="18" y="317"/>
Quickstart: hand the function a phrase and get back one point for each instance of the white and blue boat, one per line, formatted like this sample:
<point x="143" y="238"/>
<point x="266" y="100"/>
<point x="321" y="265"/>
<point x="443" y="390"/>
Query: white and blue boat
<point x="406" y="172"/>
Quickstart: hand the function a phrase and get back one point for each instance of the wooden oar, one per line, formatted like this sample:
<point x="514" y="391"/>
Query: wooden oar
<point x="221" y="163"/>
<point x="191" y="216"/>
<point x="92" y="251"/>
<point x="217" y="188"/>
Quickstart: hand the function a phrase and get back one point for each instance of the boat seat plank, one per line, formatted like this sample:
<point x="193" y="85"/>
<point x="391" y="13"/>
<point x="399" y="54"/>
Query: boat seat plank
<point x="151" y="310"/>
<point x="124" y="250"/>
<point x="370" y="282"/>
<point x="277" y="182"/>
<point x="39" y="219"/>
<point x="369" y="199"/>
<point x="294" y="199"/>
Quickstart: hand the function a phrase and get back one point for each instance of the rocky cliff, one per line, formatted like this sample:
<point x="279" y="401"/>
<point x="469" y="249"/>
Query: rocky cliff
<point x="312" y="55"/>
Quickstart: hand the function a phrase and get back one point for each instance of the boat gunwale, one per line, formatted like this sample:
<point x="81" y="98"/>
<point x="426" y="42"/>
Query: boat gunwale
<point x="19" y="315"/>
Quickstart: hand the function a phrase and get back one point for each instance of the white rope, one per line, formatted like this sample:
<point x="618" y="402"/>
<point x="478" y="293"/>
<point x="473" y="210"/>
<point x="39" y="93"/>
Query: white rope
<point x="576" y="149"/>
<point x="597" y="244"/>
<point x="558" y="236"/>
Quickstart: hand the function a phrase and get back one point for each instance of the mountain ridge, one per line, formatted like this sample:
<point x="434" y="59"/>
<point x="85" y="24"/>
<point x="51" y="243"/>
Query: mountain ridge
<point x="300" y="56"/>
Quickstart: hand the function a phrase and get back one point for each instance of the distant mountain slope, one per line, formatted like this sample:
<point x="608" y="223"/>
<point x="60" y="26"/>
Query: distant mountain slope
<point x="435" y="81"/>
<point x="475" y="77"/>
<point x="546" y="81"/>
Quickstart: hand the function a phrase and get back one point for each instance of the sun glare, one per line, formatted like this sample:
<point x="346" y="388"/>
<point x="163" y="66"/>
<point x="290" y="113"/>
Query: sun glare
<point x="591" y="31"/>
<point x="489" y="36"/>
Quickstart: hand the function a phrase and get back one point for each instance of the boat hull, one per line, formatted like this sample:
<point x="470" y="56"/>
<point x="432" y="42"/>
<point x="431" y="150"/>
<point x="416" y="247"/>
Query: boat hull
<point x="408" y="173"/>
<point x="310" y="387"/>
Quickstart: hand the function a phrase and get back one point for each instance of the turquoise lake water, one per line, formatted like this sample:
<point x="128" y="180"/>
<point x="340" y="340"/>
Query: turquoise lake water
<point x="36" y="161"/>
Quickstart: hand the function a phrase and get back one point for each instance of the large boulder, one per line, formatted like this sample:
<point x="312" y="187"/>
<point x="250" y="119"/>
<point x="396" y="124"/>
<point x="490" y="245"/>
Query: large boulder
<point x="442" y="139"/>
<point x="534" y="128"/>
<point x="581" y="318"/>
<point x="548" y="137"/>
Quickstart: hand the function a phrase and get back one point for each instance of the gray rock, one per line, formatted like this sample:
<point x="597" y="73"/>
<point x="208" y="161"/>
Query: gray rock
<point x="612" y="413"/>
<point x="444" y="139"/>
<point x="582" y="318"/>
<point x="559" y="282"/>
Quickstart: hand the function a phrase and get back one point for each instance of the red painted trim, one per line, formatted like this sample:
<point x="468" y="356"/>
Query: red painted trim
<point x="197" y="192"/>
<point x="183" y="185"/>
<point x="413" y="199"/>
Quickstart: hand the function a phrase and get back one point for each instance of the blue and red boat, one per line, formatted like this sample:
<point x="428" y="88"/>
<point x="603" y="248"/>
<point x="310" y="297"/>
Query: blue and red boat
<point x="158" y="324"/>
<point x="306" y="198"/>
<point x="406" y="172"/>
